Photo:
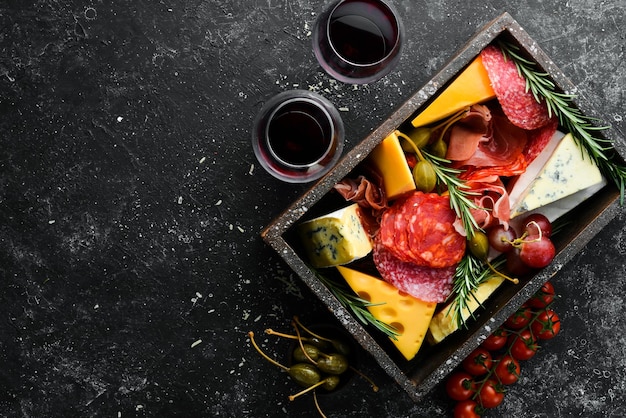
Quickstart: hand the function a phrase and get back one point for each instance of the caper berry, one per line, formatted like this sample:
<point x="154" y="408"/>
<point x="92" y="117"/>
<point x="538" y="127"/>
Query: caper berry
<point x="334" y="363"/>
<point x="424" y="176"/>
<point x="439" y="148"/>
<point x="310" y="353"/>
<point x="479" y="245"/>
<point x="331" y="382"/>
<point x="305" y="374"/>
<point x="420" y="136"/>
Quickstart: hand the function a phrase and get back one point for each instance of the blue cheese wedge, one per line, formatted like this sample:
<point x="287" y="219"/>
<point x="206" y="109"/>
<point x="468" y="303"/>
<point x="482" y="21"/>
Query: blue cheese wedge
<point x="335" y="239"/>
<point x="568" y="170"/>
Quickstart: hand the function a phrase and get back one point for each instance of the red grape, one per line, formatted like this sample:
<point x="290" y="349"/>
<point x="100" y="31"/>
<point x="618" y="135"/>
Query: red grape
<point x="536" y="221"/>
<point x="515" y="265"/>
<point x="501" y="239"/>
<point x="537" y="252"/>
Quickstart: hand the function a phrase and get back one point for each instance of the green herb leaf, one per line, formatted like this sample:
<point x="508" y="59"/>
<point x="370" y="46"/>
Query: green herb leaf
<point x="356" y="305"/>
<point x="571" y="118"/>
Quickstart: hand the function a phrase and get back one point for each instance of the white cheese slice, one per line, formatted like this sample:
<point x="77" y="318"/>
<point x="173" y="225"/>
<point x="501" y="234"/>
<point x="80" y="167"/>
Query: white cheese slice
<point x="335" y="239"/>
<point x="568" y="170"/>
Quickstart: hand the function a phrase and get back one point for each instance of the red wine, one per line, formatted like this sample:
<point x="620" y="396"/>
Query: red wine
<point x="361" y="34"/>
<point x="358" y="40"/>
<point x="299" y="134"/>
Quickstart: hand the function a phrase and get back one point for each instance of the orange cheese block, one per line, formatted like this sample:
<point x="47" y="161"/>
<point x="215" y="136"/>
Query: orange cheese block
<point x="388" y="157"/>
<point x="409" y="315"/>
<point x="471" y="86"/>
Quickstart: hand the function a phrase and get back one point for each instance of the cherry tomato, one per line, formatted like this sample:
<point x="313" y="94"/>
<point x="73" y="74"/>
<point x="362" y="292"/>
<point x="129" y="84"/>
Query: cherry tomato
<point x="496" y="340"/>
<point x="523" y="345"/>
<point x="546" y="325"/>
<point x="543" y="297"/>
<point x="490" y="395"/>
<point x="466" y="409"/>
<point x="478" y="362"/>
<point x="519" y="319"/>
<point x="507" y="370"/>
<point x="460" y="386"/>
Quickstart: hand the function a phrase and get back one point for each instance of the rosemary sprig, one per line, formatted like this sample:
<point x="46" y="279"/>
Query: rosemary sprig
<point x="358" y="306"/>
<point x="469" y="274"/>
<point x="460" y="196"/>
<point x="570" y="117"/>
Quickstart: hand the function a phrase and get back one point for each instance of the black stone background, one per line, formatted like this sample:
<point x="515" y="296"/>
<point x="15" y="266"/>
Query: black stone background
<point x="131" y="206"/>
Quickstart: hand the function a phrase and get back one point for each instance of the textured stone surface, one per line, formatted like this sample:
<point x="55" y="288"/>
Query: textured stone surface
<point x="131" y="206"/>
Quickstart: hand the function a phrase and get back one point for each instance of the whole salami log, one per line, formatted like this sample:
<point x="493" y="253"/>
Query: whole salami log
<point x="419" y="229"/>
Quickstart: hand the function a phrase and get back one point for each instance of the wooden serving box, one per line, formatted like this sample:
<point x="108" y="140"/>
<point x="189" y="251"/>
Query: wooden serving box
<point x="418" y="376"/>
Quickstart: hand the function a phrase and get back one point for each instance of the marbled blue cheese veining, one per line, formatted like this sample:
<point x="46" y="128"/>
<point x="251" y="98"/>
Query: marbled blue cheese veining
<point x="335" y="239"/>
<point x="569" y="170"/>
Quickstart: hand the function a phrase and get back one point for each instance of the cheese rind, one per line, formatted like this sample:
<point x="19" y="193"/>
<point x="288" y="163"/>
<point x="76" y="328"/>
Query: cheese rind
<point x="569" y="170"/>
<point x="388" y="158"/>
<point x="409" y="315"/>
<point x="471" y="86"/>
<point x="444" y="323"/>
<point x="335" y="239"/>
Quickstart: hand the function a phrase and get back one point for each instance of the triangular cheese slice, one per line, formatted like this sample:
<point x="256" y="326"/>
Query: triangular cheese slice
<point x="444" y="323"/>
<point x="567" y="171"/>
<point x="409" y="315"/>
<point x="470" y="87"/>
<point x="388" y="158"/>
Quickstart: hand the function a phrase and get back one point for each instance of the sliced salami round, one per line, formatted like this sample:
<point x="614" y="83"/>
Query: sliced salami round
<point x="518" y="104"/>
<point x="425" y="283"/>
<point x="419" y="229"/>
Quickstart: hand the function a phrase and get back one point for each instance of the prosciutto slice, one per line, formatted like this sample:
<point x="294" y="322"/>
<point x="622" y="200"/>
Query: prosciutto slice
<point x="485" y="138"/>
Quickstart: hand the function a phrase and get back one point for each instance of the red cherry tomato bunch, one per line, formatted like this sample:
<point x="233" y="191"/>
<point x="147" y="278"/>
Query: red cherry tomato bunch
<point x="525" y="250"/>
<point x="480" y="381"/>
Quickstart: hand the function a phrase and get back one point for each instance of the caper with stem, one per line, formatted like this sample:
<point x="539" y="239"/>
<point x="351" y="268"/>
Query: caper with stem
<point x="424" y="176"/>
<point x="478" y="246"/>
<point x="306" y="353"/>
<point x="304" y="374"/>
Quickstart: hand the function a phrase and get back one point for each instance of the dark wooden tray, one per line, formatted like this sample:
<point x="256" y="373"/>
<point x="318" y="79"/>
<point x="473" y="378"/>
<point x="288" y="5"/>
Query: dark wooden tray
<point x="418" y="376"/>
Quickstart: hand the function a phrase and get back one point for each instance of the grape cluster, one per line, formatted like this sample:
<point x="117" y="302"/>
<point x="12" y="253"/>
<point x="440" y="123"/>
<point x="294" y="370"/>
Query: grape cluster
<point x="526" y="249"/>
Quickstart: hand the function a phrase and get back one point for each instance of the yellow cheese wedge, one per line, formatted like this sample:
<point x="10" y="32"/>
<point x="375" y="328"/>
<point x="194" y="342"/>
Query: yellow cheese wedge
<point x="471" y="86"/>
<point x="336" y="238"/>
<point x="390" y="161"/>
<point x="409" y="315"/>
<point x="444" y="323"/>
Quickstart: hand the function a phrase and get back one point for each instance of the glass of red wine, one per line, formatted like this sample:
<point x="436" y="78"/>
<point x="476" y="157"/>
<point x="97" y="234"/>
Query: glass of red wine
<point x="358" y="41"/>
<point x="298" y="136"/>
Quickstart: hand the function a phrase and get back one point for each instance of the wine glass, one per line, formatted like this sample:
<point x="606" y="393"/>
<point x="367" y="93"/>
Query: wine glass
<point x="358" y="41"/>
<point x="298" y="136"/>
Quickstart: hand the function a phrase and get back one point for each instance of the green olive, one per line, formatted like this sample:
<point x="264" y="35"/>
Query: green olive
<point x="439" y="148"/>
<point x="334" y="363"/>
<point x="331" y="382"/>
<point x="311" y="351"/>
<point x="424" y="176"/>
<point x="479" y="245"/>
<point x="305" y="374"/>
